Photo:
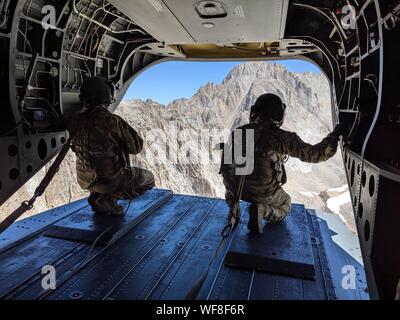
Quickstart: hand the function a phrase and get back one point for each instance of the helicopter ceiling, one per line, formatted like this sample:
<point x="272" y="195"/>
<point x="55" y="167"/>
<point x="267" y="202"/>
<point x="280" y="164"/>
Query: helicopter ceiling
<point x="208" y="21"/>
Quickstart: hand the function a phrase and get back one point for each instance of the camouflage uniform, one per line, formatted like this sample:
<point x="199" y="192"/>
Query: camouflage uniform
<point x="102" y="142"/>
<point x="264" y="184"/>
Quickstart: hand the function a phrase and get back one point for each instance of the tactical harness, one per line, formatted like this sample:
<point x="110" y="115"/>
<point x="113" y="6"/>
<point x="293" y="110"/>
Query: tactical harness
<point x="120" y="159"/>
<point x="279" y="170"/>
<point x="279" y="175"/>
<point x="115" y="159"/>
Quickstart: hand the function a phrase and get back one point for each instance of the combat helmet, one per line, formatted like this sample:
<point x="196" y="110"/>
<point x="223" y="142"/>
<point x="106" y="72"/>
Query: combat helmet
<point x="269" y="107"/>
<point x="97" y="91"/>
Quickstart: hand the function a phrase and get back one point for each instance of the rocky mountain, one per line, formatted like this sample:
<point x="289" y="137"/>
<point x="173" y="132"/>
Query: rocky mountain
<point x="180" y="139"/>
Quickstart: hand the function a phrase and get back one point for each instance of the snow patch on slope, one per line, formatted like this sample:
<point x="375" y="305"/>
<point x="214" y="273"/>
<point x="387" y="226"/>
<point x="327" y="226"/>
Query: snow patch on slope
<point x="335" y="203"/>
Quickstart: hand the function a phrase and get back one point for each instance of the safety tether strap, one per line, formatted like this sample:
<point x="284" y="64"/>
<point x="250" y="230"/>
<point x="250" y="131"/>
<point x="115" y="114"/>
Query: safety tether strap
<point x="198" y="285"/>
<point x="28" y="204"/>
<point x="234" y="212"/>
<point x="234" y="218"/>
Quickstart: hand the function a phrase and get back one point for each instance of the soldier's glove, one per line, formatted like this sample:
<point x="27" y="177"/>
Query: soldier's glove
<point x="340" y="131"/>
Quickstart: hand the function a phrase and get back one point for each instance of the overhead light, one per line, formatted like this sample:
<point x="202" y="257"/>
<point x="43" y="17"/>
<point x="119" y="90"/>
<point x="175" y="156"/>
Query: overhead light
<point x="210" y="9"/>
<point x="208" y="25"/>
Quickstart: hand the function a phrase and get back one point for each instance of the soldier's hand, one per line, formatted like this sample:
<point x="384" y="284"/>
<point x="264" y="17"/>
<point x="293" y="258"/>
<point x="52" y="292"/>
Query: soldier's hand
<point x="340" y="131"/>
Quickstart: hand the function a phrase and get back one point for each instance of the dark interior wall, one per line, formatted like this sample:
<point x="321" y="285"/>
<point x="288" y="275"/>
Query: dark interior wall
<point x="365" y="67"/>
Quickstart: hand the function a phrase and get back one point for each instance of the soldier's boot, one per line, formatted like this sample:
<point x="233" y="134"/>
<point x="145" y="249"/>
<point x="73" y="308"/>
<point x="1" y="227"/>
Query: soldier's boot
<point x="106" y="204"/>
<point x="256" y="215"/>
<point x="92" y="202"/>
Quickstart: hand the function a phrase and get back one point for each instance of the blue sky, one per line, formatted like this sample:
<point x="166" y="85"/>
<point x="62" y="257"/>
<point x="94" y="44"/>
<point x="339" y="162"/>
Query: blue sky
<point x="172" y="80"/>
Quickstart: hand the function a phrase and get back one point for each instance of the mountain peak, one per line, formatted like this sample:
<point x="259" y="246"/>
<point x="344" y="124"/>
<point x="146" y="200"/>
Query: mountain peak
<point x="255" y="68"/>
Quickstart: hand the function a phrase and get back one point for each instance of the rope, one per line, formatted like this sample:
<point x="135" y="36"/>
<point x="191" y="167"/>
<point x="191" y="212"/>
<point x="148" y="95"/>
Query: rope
<point x="89" y="254"/>
<point x="234" y="213"/>
<point x="14" y="128"/>
<point x="234" y="218"/>
<point x="195" y="290"/>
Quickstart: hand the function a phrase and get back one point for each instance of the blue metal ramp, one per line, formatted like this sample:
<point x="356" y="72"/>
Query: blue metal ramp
<point x="164" y="249"/>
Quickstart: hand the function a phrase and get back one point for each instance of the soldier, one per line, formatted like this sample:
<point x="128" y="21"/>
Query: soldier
<point x="272" y="145"/>
<point x="102" y="142"/>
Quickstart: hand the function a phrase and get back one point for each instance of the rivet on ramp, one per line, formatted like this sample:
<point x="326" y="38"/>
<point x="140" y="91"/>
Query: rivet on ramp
<point x="76" y="295"/>
<point x="315" y="240"/>
<point x="139" y="237"/>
